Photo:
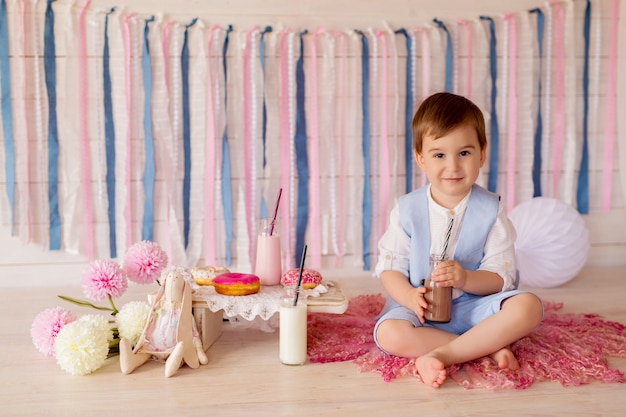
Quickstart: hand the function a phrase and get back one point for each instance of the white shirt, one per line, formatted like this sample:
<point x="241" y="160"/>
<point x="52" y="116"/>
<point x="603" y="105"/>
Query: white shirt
<point x="394" y="245"/>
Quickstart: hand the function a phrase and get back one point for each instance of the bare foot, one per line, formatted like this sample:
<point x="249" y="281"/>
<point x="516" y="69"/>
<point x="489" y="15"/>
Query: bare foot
<point x="431" y="370"/>
<point x="505" y="359"/>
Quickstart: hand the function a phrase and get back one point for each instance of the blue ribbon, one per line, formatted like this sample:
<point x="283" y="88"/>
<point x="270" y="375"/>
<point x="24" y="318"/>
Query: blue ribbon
<point x="365" y="147"/>
<point x="408" y="113"/>
<point x="109" y="137"/>
<point x="184" y="64"/>
<point x="582" y="190"/>
<point x="264" y="133"/>
<point x="539" y="127"/>
<point x="301" y="155"/>
<point x="7" y="112"/>
<point x="227" y="194"/>
<point x="448" y="55"/>
<point x="49" y="56"/>
<point x="492" y="183"/>
<point x="149" y="169"/>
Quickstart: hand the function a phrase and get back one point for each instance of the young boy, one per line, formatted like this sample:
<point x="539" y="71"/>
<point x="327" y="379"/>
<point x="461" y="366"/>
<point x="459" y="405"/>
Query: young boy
<point x="488" y="313"/>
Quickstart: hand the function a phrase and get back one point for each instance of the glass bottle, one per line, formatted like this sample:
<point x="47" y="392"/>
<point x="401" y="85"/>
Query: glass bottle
<point x="439" y="299"/>
<point x="293" y="326"/>
<point x="268" y="260"/>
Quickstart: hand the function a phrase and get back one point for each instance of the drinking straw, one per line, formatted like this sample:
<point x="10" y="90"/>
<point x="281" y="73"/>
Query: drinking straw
<point x="445" y="243"/>
<point x="280" y="192"/>
<point x="295" y="300"/>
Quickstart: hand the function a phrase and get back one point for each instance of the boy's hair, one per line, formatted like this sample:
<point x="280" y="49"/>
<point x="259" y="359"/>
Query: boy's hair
<point x="442" y="112"/>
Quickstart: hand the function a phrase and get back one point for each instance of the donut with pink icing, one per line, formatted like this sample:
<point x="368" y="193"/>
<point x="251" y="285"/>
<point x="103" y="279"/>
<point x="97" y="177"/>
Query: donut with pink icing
<point x="310" y="278"/>
<point x="235" y="283"/>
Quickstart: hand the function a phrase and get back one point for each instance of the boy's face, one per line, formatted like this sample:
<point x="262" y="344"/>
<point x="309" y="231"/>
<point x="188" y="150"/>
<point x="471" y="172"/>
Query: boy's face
<point x="452" y="164"/>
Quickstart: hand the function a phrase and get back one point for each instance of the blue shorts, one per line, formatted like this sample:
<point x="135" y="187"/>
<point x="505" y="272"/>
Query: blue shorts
<point x="467" y="311"/>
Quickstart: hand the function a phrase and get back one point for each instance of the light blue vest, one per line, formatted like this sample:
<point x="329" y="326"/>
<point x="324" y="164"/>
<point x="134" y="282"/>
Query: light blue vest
<point x="480" y="216"/>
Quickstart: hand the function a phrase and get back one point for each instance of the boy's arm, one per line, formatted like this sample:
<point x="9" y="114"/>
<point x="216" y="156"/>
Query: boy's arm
<point x="481" y="282"/>
<point x="497" y="269"/>
<point x="398" y="287"/>
<point x="499" y="255"/>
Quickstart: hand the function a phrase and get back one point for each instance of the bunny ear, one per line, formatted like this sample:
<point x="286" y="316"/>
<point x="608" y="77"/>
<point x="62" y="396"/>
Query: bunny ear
<point x="153" y="298"/>
<point x="187" y="297"/>
<point x="184" y="324"/>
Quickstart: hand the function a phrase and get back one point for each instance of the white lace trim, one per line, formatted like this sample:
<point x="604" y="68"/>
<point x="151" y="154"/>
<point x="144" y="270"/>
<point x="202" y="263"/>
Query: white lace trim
<point x="264" y="304"/>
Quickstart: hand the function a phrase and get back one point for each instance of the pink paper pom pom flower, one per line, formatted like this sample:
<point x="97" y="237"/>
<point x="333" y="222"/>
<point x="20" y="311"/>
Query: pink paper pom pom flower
<point x="144" y="262"/>
<point x="102" y="279"/>
<point x="47" y="325"/>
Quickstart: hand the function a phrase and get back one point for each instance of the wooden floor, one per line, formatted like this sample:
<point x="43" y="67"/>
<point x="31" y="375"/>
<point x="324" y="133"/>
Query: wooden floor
<point x="244" y="376"/>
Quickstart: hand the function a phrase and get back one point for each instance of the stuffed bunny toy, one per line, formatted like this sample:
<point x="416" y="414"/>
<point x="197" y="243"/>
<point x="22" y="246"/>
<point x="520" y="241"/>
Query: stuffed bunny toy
<point x="170" y="332"/>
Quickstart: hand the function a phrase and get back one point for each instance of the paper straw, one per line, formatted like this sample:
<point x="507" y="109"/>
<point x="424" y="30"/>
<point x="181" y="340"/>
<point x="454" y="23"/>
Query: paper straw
<point x="280" y="192"/>
<point x="445" y="243"/>
<point x="295" y="300"/>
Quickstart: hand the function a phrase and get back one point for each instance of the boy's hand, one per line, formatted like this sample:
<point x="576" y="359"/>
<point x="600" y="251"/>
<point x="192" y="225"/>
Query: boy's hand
<point x="449" y="274"/>
<point x="417" y="303"/>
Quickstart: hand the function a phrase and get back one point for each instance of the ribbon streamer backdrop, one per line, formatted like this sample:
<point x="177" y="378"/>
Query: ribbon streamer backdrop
<point x="283" y="142"/>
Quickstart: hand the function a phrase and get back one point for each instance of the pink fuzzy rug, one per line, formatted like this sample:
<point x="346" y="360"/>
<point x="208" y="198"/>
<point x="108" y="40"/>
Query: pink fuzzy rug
<point x="571" y="349"/>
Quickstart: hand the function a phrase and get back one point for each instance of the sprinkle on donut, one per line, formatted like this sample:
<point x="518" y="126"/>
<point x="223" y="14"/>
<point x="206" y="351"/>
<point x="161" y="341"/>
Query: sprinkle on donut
<point x="310" y="278"/>
<point x="203" y="275"/>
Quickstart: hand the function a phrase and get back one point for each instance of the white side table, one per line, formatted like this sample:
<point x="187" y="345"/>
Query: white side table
<point x="210" y="308"/>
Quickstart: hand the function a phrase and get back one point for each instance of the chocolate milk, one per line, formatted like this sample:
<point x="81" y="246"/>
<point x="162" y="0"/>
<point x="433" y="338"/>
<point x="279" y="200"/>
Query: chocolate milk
<point x="439" y="301"/>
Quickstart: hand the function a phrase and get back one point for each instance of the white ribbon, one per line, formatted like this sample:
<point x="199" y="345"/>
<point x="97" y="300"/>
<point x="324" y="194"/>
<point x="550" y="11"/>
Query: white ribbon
<point x="572" y="118"/>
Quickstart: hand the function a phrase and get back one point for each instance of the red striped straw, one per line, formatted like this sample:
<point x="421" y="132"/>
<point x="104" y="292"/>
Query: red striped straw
<point x="280" y="192"/>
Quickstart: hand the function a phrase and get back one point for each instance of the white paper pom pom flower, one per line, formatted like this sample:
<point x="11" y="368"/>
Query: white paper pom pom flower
<point x="552" y="242"/>
<point x="132" y="319"/>
<point x="82" y="346"/>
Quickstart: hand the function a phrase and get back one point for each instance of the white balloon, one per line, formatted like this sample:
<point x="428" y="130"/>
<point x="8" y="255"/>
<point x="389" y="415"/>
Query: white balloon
<point x="552" y="242"/>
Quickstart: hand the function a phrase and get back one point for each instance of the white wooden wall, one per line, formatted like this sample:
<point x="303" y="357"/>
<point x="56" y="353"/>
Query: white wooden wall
<point x="28" y="265"/>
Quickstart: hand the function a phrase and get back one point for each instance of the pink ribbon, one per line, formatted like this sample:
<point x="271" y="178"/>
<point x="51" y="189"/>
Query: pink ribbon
<point x="128" y="220"/>
<point x="512" y="112"/>
<point x="42" y="177"/>
<point x="314" y="229"/>
<point x="384" y="170"/>
<point x="425" y="44"/>
<point x="413" y="53"/>
<point x="559" y="98"/>
<point x="340" y="202"/>
<point x="285" y="139"/>
<point x="255" y="84"/>
<point x="249" y="176"/>
<point x="209" y="161"/>
<point x="609" y="120"/>
<point x="166" y="52"/>
<point x="88" y="227"/>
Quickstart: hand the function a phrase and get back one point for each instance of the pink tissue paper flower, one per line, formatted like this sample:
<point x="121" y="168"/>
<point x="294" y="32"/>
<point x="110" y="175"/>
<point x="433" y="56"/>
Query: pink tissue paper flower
<point x="144" y="262"/>
<point x="104" y="278"/>
<point x="47" y="325"/>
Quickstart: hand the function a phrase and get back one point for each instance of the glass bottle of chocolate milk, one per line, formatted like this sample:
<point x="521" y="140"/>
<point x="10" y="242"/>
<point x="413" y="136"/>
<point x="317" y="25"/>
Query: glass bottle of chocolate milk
<point x="439" y="299"/>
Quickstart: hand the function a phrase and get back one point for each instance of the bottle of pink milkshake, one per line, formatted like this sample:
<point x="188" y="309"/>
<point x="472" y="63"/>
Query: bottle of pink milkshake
<point x="268" y="259"/>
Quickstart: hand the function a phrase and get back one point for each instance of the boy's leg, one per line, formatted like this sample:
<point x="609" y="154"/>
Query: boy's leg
<point x="401" y="338"/>
<point x="519" y="315"/>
